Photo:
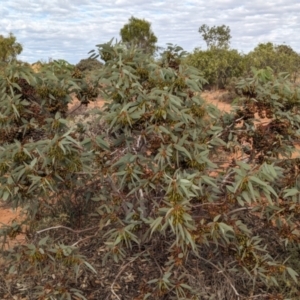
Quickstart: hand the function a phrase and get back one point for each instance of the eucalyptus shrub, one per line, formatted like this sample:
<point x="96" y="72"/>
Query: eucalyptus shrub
<point x="281" y="58"/>
<point x="218" y="66"/>
<point x="39" y="165"/>
<point x="148" y="186"/>
<point x="165" y="193"/>
<point x="88" y="64"/>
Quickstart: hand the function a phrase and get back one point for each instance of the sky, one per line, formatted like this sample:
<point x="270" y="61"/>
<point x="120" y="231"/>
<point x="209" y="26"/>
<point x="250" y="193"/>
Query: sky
<point x="69" y="29"/>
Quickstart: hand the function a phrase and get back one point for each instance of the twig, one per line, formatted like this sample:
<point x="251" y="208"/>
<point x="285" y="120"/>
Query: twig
<point x="258" y="296"/>
<point x="71" y="112"/>
<point x="237" y="210"/>
<point x="115" y="189"/>
<point x="86" y="173"/>
<point x="82" y="240"/>
<point x="224" y="181"/>
<point x="220" y="271"/>
<point x="210" y="203"/>
<point x="67" y="228"/>
<point x="123" y="267"/>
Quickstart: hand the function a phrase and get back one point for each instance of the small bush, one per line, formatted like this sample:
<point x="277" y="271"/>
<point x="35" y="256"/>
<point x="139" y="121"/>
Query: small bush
<point x="218" y="66"/>
<point x="281" y="58"/>
<point x="89" y="64"/>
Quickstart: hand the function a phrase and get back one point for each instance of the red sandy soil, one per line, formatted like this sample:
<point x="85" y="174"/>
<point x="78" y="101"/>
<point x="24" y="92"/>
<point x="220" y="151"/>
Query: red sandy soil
<point x="214" y="97"/>
<point x="8" y="216"/>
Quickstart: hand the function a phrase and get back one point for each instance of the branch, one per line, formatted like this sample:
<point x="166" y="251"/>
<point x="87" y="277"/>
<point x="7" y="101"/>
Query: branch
<point x="238" y="210"/>
<point x="123" y="267"/>
<point x="71" y="112"/>
<point x="210" y="203"/>
<point x="67" y="228"/>
<point x="222" y="272"/>
<point x="84" y="239"/>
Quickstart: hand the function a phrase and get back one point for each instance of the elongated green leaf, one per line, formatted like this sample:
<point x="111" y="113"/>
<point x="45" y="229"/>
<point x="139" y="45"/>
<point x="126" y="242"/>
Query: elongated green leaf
<point x="90" y="267"/>
<point x="293" y="274"/>
<point x="182" y="149"/>
<point x="155" y="224"/>
<point x="224" y="227"/>
<point x="208" y="180"/>
<point x="291" y="192"/>
<point x="257" y="180"/>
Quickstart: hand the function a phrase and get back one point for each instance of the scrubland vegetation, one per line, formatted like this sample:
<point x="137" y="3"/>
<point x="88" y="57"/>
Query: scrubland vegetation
<point x="158" y="194"/>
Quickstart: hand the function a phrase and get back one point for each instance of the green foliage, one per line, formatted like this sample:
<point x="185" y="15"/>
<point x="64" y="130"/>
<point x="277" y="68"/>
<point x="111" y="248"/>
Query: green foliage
<point x="216" y="36"/>
<point x="138" y="32"/>
<point x="9" y="48"/>
<point x="281" y="58"/>
<point x="271" y="97"/>
<point x="218" y="66"/>
<point x="47" y="258"/>
<point x="172" y="56"/>
<point x="164" y="175"/>
<point x="146" y="188"/>
<point x="39" y="160"/>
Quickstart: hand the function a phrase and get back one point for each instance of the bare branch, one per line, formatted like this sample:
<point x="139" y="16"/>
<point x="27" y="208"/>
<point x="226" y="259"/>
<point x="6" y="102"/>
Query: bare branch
<point x="222" y="272"/>
<point x="67" y="228"/>
<point x="123" y="267"/>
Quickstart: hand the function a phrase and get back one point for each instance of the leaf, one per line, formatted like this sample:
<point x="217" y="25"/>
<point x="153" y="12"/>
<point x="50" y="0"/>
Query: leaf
<point x="237" y="185"/>
<point x="15" y="110"/>
<point x="181" y="230"/>
<point x="182" y="149"/>
<point x="208" y="180"/>
<point x="33" y="163"/>
<point x="186" y="286"/>
<point x="27" y="152"/>
<point x="244" y="165"/>
<point x="43" y="241"/>
<point x="21" y="173"/>
<point x="90" y="267"/>
<point x="192" y="84"/>
<point x="71" y="140"/>
<point x="245" y="195"/>
<point x="103" y="144"/>
<point x="185" y="181"/>
<point x="257" y="180"/>
<point x="60" y="145"/>
<point x="163" y="129"/>
<point x="79" y="295"/>
<point x="271" y="170"/>
<point x="155" y="224"/>
<point x="5" y="195"/>
<point x="292" y="273"/>
<point x="190" y="239"/>
<point x="250" y="186"/>
<point x="224" y="227"/>
<point x="216" y="218"/>
<point x="290" y="192"/>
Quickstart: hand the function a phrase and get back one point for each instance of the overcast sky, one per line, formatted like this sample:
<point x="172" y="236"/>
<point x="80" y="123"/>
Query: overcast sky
<point x="69" y="29"/>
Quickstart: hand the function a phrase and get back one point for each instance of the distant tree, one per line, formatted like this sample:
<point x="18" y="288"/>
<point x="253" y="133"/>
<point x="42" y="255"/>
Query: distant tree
<point x="216" y="36"/>
<point x="285" y="49"/>
<point x="89" y="64"/>
<point x="9" y="48"/>
<point x="139" y="33"/>
<point x="281" y="58"/>
<point x="218" y="66"/>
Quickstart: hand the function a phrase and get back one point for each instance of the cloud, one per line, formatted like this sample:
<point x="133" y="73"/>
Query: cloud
<point x="65" y="29"/>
